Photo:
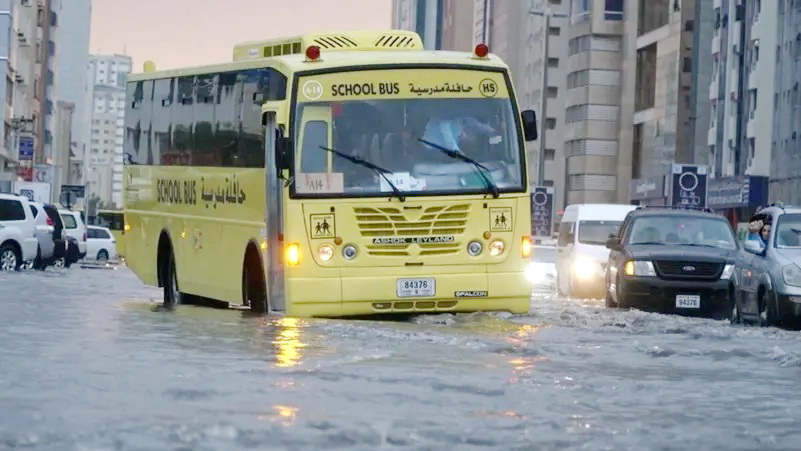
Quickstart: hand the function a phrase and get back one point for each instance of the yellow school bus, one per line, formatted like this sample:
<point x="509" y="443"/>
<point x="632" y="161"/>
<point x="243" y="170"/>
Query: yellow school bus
<point x="331" y="174"/>
<point x="114" y="220"/>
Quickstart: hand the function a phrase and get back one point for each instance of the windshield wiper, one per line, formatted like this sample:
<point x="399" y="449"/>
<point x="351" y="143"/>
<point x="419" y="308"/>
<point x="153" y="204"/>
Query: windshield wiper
<point x="647" y="243"/>
<point x="364" y="163"/>
<point x="480" y="168"/>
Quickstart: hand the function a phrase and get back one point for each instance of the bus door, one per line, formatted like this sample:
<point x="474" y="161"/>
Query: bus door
<point x="273" y="265"/>
<point x="315" y="131"/>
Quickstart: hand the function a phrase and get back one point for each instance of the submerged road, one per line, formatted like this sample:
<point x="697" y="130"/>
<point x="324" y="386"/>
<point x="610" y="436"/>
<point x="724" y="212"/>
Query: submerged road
<point x="88" y="362"/>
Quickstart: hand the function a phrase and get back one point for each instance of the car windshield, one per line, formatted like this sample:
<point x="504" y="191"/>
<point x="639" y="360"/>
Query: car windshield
<point x="596" y="232"/>
<point x="788" y="231"/>
<point x="681" y="230"/>
<point x="543" y="254"/>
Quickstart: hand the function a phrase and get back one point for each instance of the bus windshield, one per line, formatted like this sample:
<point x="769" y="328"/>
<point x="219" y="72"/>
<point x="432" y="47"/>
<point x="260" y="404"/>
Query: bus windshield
<point x="411" y="140"/>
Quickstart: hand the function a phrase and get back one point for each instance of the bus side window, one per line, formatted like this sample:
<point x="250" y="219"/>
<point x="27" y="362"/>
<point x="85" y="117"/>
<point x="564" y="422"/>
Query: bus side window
<point x="161" y="140"/>
<point x="183" y="123"/>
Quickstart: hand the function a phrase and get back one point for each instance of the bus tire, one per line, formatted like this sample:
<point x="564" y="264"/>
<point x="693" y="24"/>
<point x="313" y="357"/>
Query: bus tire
<point x="172" y="293"/>
<point x="254" y="288"/>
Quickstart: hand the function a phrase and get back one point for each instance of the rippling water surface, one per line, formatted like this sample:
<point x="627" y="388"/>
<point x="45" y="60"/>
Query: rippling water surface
<point x="87" y="362"/>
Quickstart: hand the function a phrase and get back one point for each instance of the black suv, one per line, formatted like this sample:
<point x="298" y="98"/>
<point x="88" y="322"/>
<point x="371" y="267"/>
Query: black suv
<point x="673" y="261"/>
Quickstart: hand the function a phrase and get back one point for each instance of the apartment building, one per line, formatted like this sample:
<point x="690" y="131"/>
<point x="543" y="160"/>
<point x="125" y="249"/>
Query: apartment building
<point x="599" y="100"/>
<point x="785" y="158"/>
<point x="108" y="75"/>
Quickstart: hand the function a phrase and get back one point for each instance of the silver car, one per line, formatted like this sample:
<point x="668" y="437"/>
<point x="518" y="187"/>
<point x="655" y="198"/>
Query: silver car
<point x="769" y="288"/>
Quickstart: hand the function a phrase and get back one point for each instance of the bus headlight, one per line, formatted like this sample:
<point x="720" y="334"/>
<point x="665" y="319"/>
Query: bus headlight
<point x="292" y="254"/>
<point x="496" y="248"/>
<point x="474" y="248"/>
<point x="349" y="252"/>
<point x="325" y="252"/>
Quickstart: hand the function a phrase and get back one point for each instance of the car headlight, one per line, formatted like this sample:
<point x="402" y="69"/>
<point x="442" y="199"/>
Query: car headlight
<point x="585" y="268"/>
<point x="792" y="275"/>
<point x="728" y="271"/>
<point x="640" y="268"/>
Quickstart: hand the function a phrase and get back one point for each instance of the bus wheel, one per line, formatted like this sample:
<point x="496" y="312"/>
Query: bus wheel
<point x="172" y="295"/>
<point x="254" y="290"/>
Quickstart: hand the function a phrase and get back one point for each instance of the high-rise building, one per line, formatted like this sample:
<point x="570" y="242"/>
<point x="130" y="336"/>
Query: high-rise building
<point x="516" y="31"/>
<point x="108" y="75"/>
<point x="755" y="117"/>
<point x="441" y="24"/>
<point x="8" y="154"/>
<point x="785" y="159"/>
<point x="72" y="86"/>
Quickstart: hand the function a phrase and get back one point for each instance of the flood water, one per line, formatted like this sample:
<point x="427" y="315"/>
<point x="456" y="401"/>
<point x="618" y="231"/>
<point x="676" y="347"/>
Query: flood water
<point x="88" y="363"/>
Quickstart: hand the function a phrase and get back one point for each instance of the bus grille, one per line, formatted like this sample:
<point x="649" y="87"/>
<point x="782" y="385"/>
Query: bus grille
<point x="445" y="220"/>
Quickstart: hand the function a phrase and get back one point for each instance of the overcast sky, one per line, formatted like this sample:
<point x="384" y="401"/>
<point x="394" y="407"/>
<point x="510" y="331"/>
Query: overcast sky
<point x="176" y="33"/>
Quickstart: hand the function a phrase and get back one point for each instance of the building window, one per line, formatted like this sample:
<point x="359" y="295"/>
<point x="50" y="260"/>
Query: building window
<point x="553" y="92"/>
<point x="613" y="10"/>
<point x="654" y="14"/>
<point x="580" y="11"/>
<point x="550" y="123"/>
<point x="553" y="63"/>
<point x="554" y="31"/>
<point x="550" y="154"/>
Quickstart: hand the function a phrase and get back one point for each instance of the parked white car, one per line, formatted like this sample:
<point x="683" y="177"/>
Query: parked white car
<point x="18" y="242"/>
<point x="100" y="244"/>
<point x="74" y="227"/>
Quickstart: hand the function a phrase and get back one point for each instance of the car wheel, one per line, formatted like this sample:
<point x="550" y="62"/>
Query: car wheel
<point x="610" y="301"/>
<point x="767" y="317"/>
<point x="735" y="317"/>
<point x="102" y="255"/>
<point x="10" y="260"/>
<point x="59" y="263"/>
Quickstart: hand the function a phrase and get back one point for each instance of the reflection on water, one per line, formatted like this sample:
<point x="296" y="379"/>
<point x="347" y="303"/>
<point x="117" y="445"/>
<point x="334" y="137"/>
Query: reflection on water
<point x="287" y="343"/>
<point x="281" y="414"/>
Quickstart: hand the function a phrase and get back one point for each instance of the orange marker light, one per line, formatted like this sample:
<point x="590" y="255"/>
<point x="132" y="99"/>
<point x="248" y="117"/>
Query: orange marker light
<point x="292" y="254"/>
<point x="526" y="249"/>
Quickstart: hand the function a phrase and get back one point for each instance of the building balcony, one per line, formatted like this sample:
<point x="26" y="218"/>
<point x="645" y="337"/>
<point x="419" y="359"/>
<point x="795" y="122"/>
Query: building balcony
<point x="712" y="135"/>
<point x="716" y="45"/>
<point x="750" y="128"/>
<point x="714" y="86"/>
<point x="753" y="82"/>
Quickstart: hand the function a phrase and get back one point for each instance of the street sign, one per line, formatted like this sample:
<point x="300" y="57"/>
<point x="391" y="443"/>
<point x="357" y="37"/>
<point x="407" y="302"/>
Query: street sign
<point x="25" y="148"/>
<point x="689" y="185"/>
<point x="542" y="212"/>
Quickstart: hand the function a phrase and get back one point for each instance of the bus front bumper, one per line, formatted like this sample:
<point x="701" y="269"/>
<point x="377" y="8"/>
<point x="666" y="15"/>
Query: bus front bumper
<point x="352" y="296"/>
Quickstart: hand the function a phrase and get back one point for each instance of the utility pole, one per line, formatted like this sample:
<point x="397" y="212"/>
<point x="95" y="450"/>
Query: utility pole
<point x="546" y="13"/>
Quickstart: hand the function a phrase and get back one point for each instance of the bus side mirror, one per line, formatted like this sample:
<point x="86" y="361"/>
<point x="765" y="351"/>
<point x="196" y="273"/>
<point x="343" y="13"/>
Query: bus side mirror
<point x="529" y="118"/>
<point x="281" y="151"/>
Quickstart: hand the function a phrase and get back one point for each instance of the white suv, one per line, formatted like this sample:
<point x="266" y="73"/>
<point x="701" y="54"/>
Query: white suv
<point x="18" y="242"/>
<point x="74" y="227"/>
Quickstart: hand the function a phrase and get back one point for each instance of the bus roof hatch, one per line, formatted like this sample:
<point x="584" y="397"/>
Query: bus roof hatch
<point x="334" y="41"/>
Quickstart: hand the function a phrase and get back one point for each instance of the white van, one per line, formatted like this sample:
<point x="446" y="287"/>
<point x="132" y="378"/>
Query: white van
<point x="582" y="253"/>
